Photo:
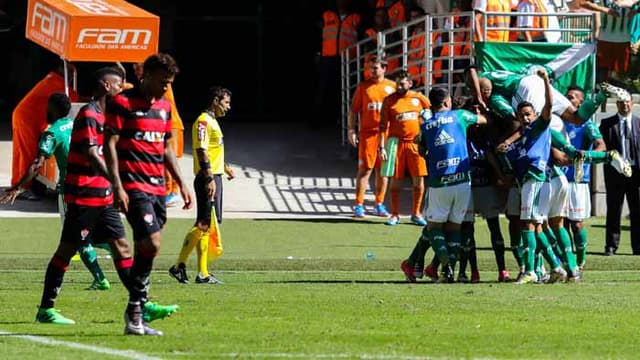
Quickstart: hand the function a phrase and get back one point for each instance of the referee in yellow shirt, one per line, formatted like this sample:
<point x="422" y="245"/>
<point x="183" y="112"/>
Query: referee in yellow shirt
<point x="208" y="167"/>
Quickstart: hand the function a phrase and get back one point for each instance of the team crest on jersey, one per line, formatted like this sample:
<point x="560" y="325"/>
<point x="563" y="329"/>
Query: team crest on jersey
<point x="48" y="140"/>
<point x="415" y="102"/>
<point x="444" y="138"/>
<point x="572" y="134"/>
<point x="148" y="218"/>
<point x="389" y="89"/>
<point x="83" y="234"/>
<point x="163" y="114"/>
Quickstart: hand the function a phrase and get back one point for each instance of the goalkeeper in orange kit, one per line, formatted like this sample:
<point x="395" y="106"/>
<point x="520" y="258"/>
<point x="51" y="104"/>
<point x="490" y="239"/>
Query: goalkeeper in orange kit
<point x="208" y="167"/>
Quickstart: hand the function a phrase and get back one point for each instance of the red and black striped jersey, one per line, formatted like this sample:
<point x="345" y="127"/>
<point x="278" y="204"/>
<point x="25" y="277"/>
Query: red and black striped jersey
<point x="144" y="129"/>
<point x="83" y="185"/>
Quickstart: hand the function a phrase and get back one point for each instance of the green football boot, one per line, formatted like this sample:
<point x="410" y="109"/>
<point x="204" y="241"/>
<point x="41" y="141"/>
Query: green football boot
<point x="152" y="311"/>
<point x="100" y="285"/>
<point x="52" y="316"/>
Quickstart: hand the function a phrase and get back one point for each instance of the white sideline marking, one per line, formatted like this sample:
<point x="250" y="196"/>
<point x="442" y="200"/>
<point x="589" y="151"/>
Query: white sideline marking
<point x="130" y="354"/>
<point x="326" y="356"/>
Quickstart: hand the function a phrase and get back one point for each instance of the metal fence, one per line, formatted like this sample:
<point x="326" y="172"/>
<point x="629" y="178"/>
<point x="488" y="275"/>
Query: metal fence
<point x="441" y="61"/>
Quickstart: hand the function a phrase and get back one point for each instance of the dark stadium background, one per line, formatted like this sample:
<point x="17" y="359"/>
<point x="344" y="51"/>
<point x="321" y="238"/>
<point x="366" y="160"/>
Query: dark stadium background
<point x="262" y="50"/>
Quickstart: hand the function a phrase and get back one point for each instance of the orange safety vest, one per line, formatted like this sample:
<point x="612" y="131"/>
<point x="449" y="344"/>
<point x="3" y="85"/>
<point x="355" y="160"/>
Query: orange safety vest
<point x="392" y="64"/>
<point x="338" y="35"/>
<point x="372" y="34"/>
<point x="463" y="45"/>
<point x="416" y="58"/>
<point x="539" y="22"/>
<point x="396" y="12"/>
<point x="494" y="21"/>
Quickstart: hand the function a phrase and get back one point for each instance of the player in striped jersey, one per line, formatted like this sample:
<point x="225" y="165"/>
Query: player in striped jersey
<point x="90" y="213"/>
<point x="138" y="125"/>
<point x="55" y="142"/>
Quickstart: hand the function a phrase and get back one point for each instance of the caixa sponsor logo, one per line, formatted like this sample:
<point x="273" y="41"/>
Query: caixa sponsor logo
<point x="114" y="38"/>
<point x="149" y="136"/>
<point x="49" y="22"/>
<point x="448" y="162"/>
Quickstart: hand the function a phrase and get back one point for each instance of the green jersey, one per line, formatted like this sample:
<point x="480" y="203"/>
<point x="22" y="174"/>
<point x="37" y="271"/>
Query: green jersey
<point x="55" y="142"/>
<point x="501" y="108"/>
<point x="505" y="83"/>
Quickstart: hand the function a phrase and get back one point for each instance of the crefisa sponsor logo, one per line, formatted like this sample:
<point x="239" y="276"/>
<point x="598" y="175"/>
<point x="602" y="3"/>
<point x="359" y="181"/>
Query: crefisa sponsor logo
<point x="48" y="26"/>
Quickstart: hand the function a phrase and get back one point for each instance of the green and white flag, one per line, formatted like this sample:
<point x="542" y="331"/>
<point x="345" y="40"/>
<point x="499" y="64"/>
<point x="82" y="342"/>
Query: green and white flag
<point x="572" y="64"/>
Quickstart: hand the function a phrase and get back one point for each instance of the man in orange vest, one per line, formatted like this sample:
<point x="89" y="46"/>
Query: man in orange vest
<point x="481" y="7"/>
<point x="29" y="121"/>
<point x="380" y="24"/>
<point x="340" y="30"/>
<point x="416" y="58"/>
<point x="396" y="9"/>
<point x="536" y="22"/>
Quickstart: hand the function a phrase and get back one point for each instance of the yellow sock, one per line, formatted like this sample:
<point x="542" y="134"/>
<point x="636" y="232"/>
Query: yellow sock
<point x="190" y="241"/>
<point x="203" y="249"/>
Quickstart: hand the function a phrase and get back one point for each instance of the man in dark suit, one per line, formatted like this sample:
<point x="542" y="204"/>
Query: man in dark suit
<point x="622" y="132"/>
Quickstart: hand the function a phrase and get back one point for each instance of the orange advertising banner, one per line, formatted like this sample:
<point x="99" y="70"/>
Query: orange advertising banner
<point x="93" y="30"/>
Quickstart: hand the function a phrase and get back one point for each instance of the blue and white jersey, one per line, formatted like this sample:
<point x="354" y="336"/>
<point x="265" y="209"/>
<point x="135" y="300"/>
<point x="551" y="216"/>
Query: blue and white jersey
<point x="582" y="138"/>
<point x="533" y="151"/>
<point x="445" y="137"/>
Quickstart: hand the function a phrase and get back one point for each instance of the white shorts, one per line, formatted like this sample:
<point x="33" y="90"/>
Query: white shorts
<point x="559" y="197"/>
<point x="579" y="201"/>
<point x="513" y="202"/>
<point x="534" y="200"/>
<point x="486" y="201"/>
<point x="531" y="89"/>
<point x="448" y="203"/>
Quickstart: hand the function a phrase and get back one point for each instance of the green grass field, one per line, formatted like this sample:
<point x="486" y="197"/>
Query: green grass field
<point x="303" y="289"/>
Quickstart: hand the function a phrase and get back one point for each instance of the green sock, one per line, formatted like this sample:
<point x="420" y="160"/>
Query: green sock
<point x="90" y="260"/>
<point x="529" y="249"/>
<point x="589" y="107"/>
<point x="539" y="263"/>
<point x="453" y="241"/>
<point x="547" y="250"/>
<point x="580" y="238"/>
<point x="564" y="242"/>
<point x="551" y="237"/>
<point x="439" y="245"/>
<point x="596" y="157"/>
<point x="517" y="247"/>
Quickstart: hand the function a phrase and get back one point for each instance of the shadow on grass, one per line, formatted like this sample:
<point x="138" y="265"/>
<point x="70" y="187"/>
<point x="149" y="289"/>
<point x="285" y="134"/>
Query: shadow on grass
<point x="604" y="226"/>
<point x="404" y="282"/>
<point x="328" y="220"/>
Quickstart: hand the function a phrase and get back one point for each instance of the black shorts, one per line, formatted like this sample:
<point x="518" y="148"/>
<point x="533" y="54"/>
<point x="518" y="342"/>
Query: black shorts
<point x="83" y="224"/>
<point x="147" y="213"/>
<point x="203" y="202"/>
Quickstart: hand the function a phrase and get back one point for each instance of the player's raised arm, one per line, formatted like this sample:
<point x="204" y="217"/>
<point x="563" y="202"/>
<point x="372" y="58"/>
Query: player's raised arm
<point x="548" y="95"/>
